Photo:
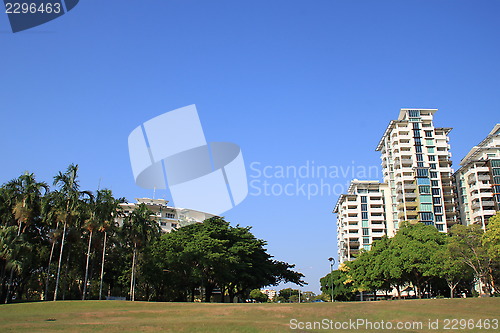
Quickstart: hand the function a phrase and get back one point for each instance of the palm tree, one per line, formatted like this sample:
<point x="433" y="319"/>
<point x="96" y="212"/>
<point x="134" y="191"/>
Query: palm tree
<point x="68" y="207"/>
<point x="103" y="210"/>
<point x="110" y="208"/>
<point x="139" y="229"/>
<point x="25" y="194"/>
<point x="11" y="245"/>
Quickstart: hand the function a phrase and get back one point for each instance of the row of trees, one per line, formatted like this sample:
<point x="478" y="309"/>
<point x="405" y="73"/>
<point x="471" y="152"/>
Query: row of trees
<point x="64" y="243"/>
<point x="423" y="259"/>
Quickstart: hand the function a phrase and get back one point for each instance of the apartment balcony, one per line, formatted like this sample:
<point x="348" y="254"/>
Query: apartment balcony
<point x="376" y="210"/>
<point x="411" y="204"/>
<point x="353" y="243"/>
<point x="488" y="203"/>
<point x="450" y="213"/>
<point x="471" y="180"/>
<point x="484" y="177"/>
<point x="475" y="205"/>
<point x="406" y="162"/>
<point x="377" y="218"/>
<point x="489" y="212"/>
<point x="447" y="185"/>
<point x="448" y="194"/>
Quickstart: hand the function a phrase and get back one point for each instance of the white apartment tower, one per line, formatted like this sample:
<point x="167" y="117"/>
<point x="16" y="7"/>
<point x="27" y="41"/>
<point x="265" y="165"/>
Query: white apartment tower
<point x="478" y="181"/>
<point x="362" y="217"/>
<point x="417" y="168"/>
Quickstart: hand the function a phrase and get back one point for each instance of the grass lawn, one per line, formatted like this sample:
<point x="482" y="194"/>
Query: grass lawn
<point x="123" y="316"/>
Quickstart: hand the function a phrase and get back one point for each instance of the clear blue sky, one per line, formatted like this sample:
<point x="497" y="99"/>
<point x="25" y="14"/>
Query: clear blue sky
<point x="289" y="81"/>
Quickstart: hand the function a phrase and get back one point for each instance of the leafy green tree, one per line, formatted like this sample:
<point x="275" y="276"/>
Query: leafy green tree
<point x="451" y="268"/>
<point x="466" y="245"/>
<point x="416" y="244"/>
<point x="491" y="244"/>
<point x="258" y="296"/>
<point x="213" y="255"/>
<point x="342" y="283"/>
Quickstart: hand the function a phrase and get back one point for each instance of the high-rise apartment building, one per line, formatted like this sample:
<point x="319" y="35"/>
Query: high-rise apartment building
<point x="478" y="181"/>
<point x="417" y="168"/>
<point x="362" y="217"/>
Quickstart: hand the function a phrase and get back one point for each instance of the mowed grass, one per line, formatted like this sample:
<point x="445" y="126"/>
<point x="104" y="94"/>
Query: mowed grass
<point x="123" y="316"/>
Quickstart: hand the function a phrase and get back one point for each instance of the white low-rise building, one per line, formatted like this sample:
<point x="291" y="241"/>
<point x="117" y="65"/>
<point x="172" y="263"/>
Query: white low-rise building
<point x="168" y="217"/>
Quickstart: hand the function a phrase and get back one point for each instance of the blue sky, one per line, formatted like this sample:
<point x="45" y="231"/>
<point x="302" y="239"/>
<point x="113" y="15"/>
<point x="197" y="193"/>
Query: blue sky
<point x="289" y="81"/>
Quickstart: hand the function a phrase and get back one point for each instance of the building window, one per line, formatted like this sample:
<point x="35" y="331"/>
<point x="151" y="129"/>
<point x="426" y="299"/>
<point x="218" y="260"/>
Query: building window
<point x="363" y="199"/>
<point x="366" y="240"/>
<point x="422" y="173"/>
<point x="170" y="215"/>
<point x="439" y="218"/>
<point x="432" y="158"/>
<point x="364" y="223"/>
<point x="425" y="216"/>
<point x="438" y="209"/>
<point x="436" y="191"/>
<point x="364" y="207"/>
<point x="495" y="163"/>
<point x="440" y="227"/>
<point x="420" y="164"/>
<point x="423" y="181"/>
<point x="420" y="157"/>
<point x="416" y="126"/>
<point x="436" y="201"/>
<point x="364" y="215"/>
<point x="435" y="183"/>
<point x="418" y="142"/>
<point x="428" y="134"/>
<point x="418" y="149"/>
<point x="416" y="133"/>
<point x="430" y="150"/>
<point x="366" y="232"/>
<point x="424" y="189"/>
<point x="414" y="113"/>
<point x="426" y="199"/>
<point x="424" y="207"/>
<point x="434" y="174"/>
<point x="432" y="166"/>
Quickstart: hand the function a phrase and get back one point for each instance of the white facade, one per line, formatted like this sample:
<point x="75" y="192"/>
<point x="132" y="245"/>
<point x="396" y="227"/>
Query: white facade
<point x="478" y="181"/>
<point x="168" y="218"/>
<point x="362" y="217"/>
<point x="417" y="167"/>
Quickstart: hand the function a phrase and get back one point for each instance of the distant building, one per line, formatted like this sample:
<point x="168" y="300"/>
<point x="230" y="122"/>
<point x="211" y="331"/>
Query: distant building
<point x="478" y="181"/>
<point x="168" y="218"/>
<point x="271" y="294"/>
<point x="362" y="217"/>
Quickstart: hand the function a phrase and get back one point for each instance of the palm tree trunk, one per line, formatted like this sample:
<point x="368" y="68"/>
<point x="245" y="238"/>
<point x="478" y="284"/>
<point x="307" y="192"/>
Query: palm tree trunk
<point x="132" y="277"/>
<point x="87" y="265"/>
<point x="102" y="264"/>
<point x="46" y="295"/>
<point x="60" y="261"/>
<point x="7" y="297"/>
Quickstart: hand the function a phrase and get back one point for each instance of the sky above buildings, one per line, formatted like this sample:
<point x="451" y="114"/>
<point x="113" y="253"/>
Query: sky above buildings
<point x="298" y="85"/>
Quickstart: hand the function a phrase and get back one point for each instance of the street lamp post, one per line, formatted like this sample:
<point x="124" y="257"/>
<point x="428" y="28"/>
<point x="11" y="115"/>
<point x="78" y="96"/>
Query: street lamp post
<point x="332" y="262"/>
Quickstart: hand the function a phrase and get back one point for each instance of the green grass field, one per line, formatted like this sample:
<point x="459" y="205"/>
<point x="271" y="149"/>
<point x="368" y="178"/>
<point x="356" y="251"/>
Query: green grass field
<point x="122" y="316"/>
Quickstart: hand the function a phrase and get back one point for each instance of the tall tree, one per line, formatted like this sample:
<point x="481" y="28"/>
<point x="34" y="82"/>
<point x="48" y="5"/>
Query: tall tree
<point x="140" y="229"/>
<point x="68" y="207"/>
<point x="466" y="245"/>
